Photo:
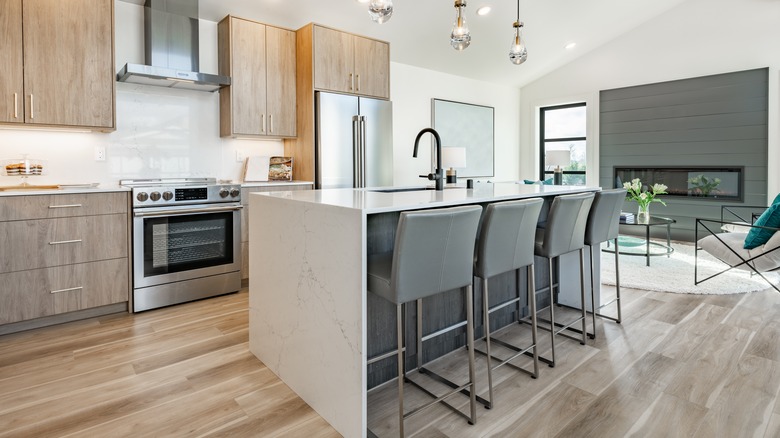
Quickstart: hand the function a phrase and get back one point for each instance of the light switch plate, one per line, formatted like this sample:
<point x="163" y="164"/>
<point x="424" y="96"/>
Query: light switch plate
<point x="100" y="153"/>
<point x="239" y="156"/>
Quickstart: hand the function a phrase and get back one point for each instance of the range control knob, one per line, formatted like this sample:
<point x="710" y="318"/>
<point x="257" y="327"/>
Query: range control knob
<point x="223" y="193"/>
<point x="142" y="196"/>
<point x="167" y="196"/>
<point x="235" y="192"/>
<point x="154" y="196"/>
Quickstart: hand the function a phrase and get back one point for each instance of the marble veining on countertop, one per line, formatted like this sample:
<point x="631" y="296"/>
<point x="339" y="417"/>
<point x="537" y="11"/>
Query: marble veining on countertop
<point x="370" y="200"/>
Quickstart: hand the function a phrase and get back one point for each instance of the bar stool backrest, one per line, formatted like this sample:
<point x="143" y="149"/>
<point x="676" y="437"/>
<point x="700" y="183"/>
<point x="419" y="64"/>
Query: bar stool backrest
<point x="566" y="223"/>
<point x="604" y="217"/>
<point x="506" y="239"/>
<point x="434" y="251"/>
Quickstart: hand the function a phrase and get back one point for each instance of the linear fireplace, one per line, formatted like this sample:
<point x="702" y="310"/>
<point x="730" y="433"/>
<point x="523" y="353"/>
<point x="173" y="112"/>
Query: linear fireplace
<point x="699" y="182"/>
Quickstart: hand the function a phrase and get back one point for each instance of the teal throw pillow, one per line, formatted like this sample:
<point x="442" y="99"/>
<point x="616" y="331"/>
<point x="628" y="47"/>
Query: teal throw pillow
<point x="547" y="182"/>
<point x="759" y="236"/>
<point x="776" y="200"/>
<point x="528" y="181"/>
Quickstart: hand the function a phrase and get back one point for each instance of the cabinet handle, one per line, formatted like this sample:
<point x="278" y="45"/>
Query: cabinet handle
<point x="263" y="130"/>
<point x="351" y="81"/>
<point x="70" y="289"/>
<point x="32" y="107"/>
<point x="65" y="206"/>
<point x="62" y="242"/>
<point x="271" y="122"/>
<point x="358" y="82"/>
<point x="16" y="105"/>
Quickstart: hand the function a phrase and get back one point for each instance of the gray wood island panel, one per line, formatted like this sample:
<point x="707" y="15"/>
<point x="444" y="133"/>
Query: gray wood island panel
<point x="311" y="320"/>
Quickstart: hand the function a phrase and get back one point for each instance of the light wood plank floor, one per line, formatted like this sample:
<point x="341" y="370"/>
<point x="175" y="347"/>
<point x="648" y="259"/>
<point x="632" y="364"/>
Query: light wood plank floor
<point x="679" y="365"/>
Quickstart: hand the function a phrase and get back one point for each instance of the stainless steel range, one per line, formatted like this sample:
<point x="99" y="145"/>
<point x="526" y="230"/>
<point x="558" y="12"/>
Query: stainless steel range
<point x="186" y="240"/>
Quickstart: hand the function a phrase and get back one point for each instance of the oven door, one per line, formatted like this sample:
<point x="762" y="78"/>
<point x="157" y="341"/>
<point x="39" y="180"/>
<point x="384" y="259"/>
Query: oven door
<point x="180" y="243"/>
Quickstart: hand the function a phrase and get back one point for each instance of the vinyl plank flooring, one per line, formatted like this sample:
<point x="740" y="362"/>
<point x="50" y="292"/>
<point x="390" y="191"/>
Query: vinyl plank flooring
<point x="677" y="366"/>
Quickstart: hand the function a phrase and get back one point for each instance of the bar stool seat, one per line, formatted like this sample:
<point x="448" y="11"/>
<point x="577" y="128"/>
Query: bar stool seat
<point x="506" y="243"/>
<point x="603" y="225"/>
<point x="433" y="253"/>
<point x="564" y="232"/>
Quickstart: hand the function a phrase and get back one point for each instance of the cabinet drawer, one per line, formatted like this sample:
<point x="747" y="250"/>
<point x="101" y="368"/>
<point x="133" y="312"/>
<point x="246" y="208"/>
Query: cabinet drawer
<point x="44" y="243"/>
<point x="14" y="208"/>
<point x="43" y="292"/>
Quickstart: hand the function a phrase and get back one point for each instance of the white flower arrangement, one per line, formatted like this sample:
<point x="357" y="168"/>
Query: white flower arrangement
<point x="644" y="198"/>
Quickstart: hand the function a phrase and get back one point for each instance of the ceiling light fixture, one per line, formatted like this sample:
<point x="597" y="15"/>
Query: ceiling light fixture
<point x="517" y="52"/>
<point x="460" y="37"/>
<point x="380" y="11"/>
<point x="570" y="46"/>
<point x="484" y="10"/>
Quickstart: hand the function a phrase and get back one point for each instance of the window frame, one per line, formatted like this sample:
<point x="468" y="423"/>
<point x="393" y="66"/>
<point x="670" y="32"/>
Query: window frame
<point x="542" y="140"/>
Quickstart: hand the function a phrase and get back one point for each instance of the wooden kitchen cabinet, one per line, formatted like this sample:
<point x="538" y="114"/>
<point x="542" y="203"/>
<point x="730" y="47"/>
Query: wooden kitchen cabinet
<point x="349" y="63"/>
<point x="62" y="254"/>
<point x="331" y="60"/>
<point x="67" y="64"/>
<point x="260" y="60"/>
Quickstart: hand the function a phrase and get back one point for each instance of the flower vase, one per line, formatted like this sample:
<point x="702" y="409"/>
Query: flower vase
<point x="643" y="214"/>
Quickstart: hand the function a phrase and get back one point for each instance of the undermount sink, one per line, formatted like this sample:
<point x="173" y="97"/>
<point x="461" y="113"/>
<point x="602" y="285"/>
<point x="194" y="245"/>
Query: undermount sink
<point x="408" y="189"/>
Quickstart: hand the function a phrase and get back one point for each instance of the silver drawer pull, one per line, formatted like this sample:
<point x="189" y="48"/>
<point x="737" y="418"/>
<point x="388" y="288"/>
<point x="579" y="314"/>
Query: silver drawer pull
<point x="70" y="289"/>
<point x="65" y="241"/>
<point x="66" y="206"/>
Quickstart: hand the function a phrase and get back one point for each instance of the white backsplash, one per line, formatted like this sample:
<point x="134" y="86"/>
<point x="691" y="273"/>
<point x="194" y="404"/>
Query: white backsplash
<point x="161" y="132"/>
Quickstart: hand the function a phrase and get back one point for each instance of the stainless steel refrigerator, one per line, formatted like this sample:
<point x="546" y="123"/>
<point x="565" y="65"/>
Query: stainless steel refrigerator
<point x="354" y="146"/>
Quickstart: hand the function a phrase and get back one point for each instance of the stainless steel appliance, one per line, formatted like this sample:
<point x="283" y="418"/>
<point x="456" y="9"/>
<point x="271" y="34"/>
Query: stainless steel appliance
<point x="354" y="146"/>
<point x="186" y="240"/>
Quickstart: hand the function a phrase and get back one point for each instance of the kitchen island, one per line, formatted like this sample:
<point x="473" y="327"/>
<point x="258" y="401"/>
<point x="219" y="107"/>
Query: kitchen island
<point x="308" y="306"/>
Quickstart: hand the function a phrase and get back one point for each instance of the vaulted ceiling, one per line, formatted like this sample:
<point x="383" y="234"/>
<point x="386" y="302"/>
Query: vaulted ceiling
<point x="419" y="29"/>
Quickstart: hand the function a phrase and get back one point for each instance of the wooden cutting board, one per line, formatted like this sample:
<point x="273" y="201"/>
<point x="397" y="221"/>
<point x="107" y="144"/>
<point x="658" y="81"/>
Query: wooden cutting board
<point x="31" y="187"/>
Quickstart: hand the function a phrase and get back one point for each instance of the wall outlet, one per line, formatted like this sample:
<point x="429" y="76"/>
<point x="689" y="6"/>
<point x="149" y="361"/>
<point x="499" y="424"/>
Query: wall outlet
<point x="100" y="153"/>
<point x="239" y="156"/>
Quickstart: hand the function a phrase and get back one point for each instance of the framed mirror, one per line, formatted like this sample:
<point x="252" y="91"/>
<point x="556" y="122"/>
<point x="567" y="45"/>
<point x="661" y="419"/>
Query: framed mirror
<point x="468" y="126"/>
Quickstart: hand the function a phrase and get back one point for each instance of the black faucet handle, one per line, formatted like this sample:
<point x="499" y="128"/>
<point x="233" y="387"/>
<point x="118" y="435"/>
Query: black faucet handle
<point x="430" y="176"/>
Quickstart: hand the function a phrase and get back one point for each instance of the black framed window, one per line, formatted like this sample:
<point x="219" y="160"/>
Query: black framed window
<point x="562" y="128"/>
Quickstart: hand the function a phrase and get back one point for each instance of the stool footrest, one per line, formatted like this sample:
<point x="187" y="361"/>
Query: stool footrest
<point x="504" y="304"/>
<point x="443" y="331"/>
<point x="508" y="360"/>
<point x="433" y="375"/>
<point x="438" y="398"/>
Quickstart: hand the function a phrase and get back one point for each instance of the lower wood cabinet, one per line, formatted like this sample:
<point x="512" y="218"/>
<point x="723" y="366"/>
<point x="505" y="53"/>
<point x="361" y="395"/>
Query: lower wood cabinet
<point x="44" y="292"/>
<point x="62" y="253"/>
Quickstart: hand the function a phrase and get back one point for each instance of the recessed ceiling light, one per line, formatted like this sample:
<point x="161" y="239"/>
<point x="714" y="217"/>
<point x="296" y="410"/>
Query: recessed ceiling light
<point x="570" y="46"/>
<point x="363" y="1"/>
<point x="484" y="10"/>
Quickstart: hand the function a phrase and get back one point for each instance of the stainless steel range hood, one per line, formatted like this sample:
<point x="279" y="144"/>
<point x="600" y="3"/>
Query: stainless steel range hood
<point x="171" y="46"/>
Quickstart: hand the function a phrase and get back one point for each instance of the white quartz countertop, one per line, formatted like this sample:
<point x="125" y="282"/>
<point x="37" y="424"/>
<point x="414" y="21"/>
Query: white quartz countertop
<point x="276" y="183"/>
<point x="66" y="189"/>
<point x="372" y="201"/>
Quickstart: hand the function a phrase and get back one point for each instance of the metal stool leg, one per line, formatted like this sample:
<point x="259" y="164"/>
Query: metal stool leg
<point x="470" y="343"/>
<point x="486" y="323"/>
<point x="593" y="293"/>
<point x="582" y="297"/>
<point x="401" y="374"/>
<point x="552" y="315"/>
<point x="532" y="306"/>
<point x="617" y="285"/>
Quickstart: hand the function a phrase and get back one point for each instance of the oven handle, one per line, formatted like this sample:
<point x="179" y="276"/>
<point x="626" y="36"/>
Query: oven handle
<point x="186" y="211"/>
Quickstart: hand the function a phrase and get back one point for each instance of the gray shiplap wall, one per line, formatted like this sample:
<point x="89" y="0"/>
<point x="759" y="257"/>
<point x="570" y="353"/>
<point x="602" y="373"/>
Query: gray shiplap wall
<point x="718" y="120"/>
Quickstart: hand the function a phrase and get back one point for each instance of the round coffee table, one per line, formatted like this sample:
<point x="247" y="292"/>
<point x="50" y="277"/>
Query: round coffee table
<point x="627" y="243"/>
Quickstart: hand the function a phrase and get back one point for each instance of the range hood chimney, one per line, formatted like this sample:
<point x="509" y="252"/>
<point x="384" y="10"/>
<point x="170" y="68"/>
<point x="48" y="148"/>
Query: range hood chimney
<point x="171" y="46"/>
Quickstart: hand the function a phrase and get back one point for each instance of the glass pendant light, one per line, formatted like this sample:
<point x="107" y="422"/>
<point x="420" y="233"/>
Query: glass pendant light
<point x="460" y="38"/>
<point x="517" y="52"/>
<point x="380" y="10"/>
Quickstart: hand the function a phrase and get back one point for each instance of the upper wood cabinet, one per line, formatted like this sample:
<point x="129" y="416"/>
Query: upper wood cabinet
<point x="260" y="60"/>
<point x="350" y="64"/>
<point x="58" y="63"/>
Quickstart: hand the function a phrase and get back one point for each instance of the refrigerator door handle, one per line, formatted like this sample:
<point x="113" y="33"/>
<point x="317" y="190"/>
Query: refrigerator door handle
<point x="362" y="151"/>
<point x="356" y="146"/>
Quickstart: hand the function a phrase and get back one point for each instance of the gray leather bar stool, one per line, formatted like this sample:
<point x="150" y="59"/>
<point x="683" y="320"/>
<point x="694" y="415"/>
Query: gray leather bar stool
<point x="564" y="233"/>
<point x="603" y="225"/>
<point x="506" y="243"/>
<point x="433" y="253"/>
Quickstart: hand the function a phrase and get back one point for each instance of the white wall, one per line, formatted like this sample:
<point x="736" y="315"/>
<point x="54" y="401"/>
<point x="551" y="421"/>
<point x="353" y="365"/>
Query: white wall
<point x="697" y="38"/>
<point x="412" y="89"/>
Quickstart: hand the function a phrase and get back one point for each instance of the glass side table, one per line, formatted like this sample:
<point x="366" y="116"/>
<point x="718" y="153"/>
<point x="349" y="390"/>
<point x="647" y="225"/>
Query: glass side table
<point x="633" y="246"/>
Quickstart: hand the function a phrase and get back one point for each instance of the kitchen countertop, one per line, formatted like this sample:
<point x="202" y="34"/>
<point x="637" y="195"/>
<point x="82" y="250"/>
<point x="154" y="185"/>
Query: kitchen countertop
<point x="64" y="191"/>
<point x="276" y="183"/>
<point x="372" y="201"/>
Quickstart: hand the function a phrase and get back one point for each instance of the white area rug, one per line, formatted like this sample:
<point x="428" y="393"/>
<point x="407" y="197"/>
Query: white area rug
<point x="675" y="273"/>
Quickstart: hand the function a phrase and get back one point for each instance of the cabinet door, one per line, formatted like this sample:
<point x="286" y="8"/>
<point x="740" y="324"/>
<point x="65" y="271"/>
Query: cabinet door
<point x="333" y="60"/>
<point x="11" y="68"/>
<point x="372" y="68"/>
<point x="248" y="74"/>
<point x="280" y="58"/>
<point x="69" y="62"/>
